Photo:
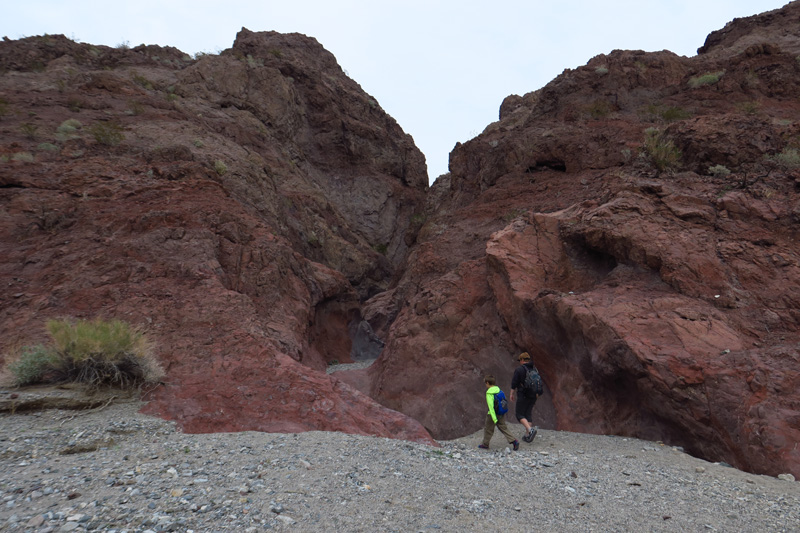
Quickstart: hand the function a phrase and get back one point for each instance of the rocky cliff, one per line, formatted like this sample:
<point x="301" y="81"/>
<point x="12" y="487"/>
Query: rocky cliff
<point x="237" y="206"/>
<point x="632" y="224"/>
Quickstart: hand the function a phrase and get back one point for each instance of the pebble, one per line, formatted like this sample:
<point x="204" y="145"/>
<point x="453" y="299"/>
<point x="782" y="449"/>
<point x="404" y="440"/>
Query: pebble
<point x="153" y="478"/>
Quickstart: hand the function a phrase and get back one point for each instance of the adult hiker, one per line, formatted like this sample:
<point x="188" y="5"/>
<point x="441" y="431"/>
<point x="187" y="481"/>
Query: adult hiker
<point x="527" y="384"/>
<point x="493" y="418"/>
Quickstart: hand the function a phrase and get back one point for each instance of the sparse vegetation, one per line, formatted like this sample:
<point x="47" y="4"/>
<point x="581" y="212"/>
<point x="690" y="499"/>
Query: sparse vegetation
<point x="661" y="150"/>
<point x="4" y="108"/>
<point x="674" y="113"/>
<point x="599" y="109"/>
<point x="32" y="364"/>
<point x="666" y="113"/>
<point x="709" y="78"/>
<point x="74" y="105"/>
<point x="513" y="214"/>
<point x="47" y="147"/>
<point x="107" y="133"/>
<point x="66" y="130"/>
<point x="719" y="171"/>
<point x="788" y="158"/>
<point x="29" y="130"/>
<point x="381" y="248"/>
<point x="141" y="81"/>
<point x="750" y="108"/>
<point x="95" y="353"/>
<point x="220" y="167"/>
<point x="135" y="108"/>
<point x="254" y="62"/>
<point x="601" y="70"/>
<point x="417" y="219"/>
<point x="25" y="157"/>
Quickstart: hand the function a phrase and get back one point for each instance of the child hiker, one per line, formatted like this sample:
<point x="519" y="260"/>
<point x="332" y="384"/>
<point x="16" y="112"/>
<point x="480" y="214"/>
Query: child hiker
<point x="492" y="418"/>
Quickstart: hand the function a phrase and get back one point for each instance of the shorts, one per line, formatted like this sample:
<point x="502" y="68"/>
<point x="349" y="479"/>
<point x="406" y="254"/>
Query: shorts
<point x="524" y="407"/>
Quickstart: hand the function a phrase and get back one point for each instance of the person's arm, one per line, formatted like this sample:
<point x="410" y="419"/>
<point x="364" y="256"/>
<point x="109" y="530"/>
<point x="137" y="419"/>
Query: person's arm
<point x="515" y="382"/>
<point x="490" y="403"/>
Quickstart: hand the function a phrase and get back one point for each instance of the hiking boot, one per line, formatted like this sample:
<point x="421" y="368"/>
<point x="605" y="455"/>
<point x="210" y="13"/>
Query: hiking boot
<point x="532" y="433"/>
<point x="483" y="447"/>
<point x="515" y="444"/>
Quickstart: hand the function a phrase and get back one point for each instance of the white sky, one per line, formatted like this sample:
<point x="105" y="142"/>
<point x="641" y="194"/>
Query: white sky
<point x="441" y="68"/>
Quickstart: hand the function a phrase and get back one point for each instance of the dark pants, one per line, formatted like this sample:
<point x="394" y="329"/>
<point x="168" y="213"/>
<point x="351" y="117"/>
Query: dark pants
<point x="524" y="407"/>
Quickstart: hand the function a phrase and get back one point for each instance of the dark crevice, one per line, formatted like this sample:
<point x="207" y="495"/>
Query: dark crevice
<point x="547" y="164"/>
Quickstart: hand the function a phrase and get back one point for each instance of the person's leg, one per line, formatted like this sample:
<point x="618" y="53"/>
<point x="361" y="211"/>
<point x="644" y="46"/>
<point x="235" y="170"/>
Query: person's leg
<point x="531" y="430"/>
<point x="488" y="430"/>
<point x="501" y="425"/>
<point x="522" y="410"/>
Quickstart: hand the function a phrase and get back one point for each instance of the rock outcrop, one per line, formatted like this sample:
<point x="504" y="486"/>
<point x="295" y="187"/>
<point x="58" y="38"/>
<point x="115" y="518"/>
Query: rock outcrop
<point x="238" y="207"/>
<point x="633" y="225"/>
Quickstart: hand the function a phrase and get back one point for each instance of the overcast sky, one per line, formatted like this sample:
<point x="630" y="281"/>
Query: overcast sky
<point x="440" y="68"/>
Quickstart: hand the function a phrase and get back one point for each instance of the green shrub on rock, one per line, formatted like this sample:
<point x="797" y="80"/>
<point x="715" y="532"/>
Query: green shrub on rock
<point x="661" y="150"/>
<point x="32" y="365"/>
<point x="95" y="353"/>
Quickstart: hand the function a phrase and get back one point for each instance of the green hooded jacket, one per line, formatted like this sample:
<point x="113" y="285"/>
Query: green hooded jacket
<point x="490" y="392"/>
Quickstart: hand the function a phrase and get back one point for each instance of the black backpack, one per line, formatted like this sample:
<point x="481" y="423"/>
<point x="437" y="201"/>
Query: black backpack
<point x="533" y="385"/>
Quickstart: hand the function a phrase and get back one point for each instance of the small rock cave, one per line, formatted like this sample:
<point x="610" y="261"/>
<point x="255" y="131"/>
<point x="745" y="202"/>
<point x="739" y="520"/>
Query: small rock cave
<point x="592" y="264"/>
<point x="547" y="164"/>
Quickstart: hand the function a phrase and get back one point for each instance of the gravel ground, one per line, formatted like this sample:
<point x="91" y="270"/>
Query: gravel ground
<point x="114" y="469"/>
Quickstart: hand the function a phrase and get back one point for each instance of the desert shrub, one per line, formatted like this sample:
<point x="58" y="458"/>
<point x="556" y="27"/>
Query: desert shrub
<point x="674" y="113"/>
<point x="660" y="149"/>
<point x="25" y="157"/>
<point x="95" y="353"/>
<point x="66" y="130"/>
<point x="107" y="133"/>
<point x="599" y="109"/>
<point x="29" y="130"/>
<point x="709" y="78"/>
<point x="47" y="147"/>
<point x="788" y="158"/>
<point x="601" y="70"/>
<point x="220" y="167"/>
<point x="143" y="82"/>
<point x="749" y="108"/>
<point x="135" y="108"/>
<point x="4" y="110"/>
<point x="254" y="62"/>
<point x="666" y="113"/>
<point x="32" y="365"/>
<point x="719" y="171"/>
<point x="101" y="352"/>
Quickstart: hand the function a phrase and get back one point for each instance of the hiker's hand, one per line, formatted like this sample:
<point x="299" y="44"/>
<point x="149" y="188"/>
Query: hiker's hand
<point x="511" y="395"/>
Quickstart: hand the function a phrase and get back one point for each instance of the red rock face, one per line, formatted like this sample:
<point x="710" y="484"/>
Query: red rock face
<point x="207" y="219"/>
<point x="659" y="298"/>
